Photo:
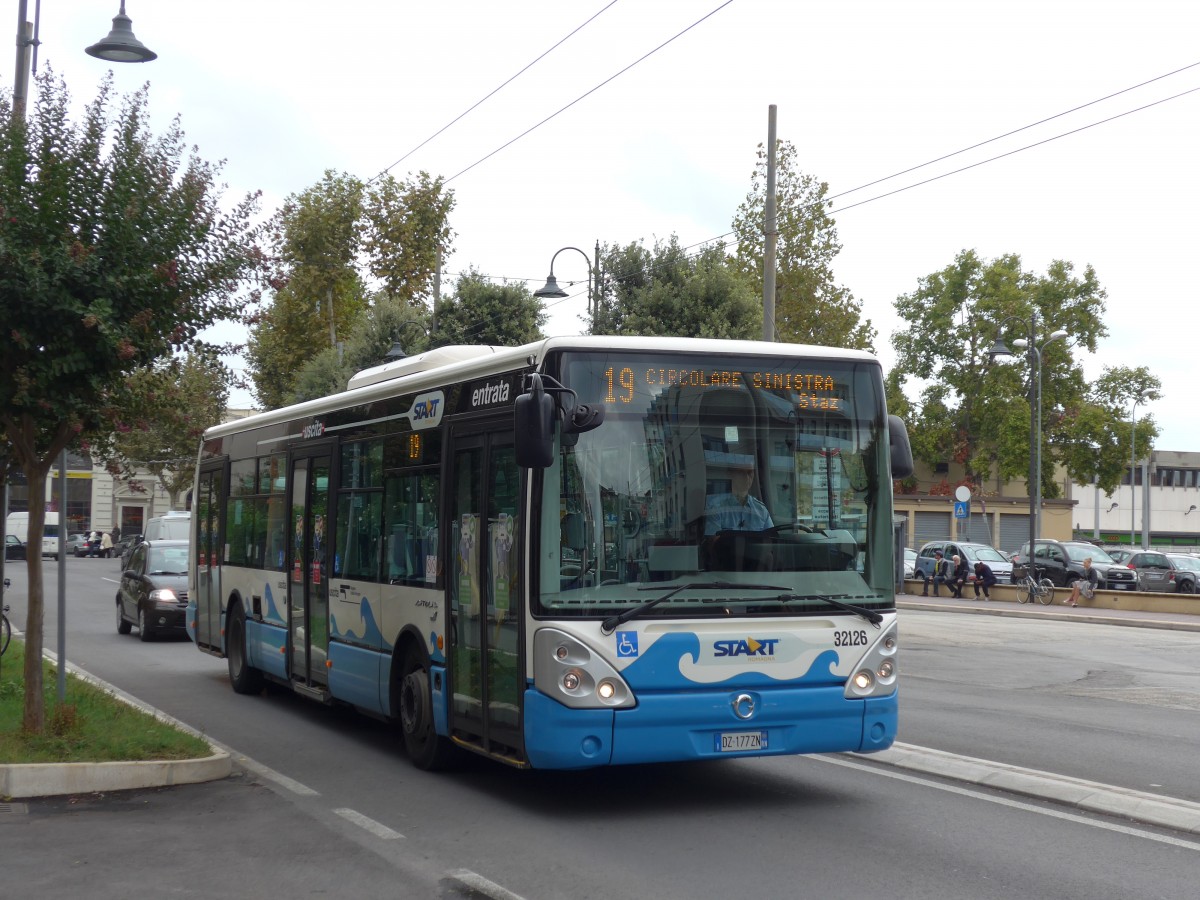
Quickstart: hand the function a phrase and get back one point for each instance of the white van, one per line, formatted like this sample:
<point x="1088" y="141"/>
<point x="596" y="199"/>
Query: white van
<point x="172" y="526"/>
<point x="18" y="524"/>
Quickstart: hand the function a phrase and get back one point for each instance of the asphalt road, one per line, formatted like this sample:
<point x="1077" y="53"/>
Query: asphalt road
<point x="328" y="804"/>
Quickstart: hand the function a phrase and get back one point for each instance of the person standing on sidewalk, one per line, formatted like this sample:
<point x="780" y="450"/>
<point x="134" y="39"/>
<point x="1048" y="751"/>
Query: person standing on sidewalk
<point x="984" y="578"/>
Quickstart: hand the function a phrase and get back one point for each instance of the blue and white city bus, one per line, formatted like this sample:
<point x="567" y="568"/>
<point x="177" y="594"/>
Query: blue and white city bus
<point x="585" y="551"/>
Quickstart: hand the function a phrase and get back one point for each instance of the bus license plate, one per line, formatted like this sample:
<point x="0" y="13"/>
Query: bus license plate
<point x="736" y="741"/>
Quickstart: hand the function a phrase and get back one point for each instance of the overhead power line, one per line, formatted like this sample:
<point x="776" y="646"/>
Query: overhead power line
<point x="495" y="91"/>
<point x="588" y="93"/>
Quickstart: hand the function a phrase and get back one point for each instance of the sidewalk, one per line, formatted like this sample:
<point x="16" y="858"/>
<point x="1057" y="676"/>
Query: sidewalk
<point x="1132" y="618"/>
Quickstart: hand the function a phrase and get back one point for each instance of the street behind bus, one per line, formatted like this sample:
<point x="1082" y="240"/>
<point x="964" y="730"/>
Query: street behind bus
<point x="326" y="802"/>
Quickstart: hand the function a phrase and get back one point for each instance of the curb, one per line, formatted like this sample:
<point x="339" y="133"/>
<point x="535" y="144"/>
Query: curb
<point x="51" y="779"/>
<point x="1149" y="809"/>
<point x="25" y="781"/>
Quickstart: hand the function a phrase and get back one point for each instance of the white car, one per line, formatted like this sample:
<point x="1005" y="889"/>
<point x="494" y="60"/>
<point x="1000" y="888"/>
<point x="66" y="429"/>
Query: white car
<point x="910" y="562"/>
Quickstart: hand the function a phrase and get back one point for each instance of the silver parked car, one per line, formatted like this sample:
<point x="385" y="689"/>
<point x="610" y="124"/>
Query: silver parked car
<point x="972" y="552"/>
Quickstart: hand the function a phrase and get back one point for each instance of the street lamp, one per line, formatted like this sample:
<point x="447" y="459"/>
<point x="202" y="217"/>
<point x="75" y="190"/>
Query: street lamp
<point x="1033" y="354"/>
<point x="119" y="46"/>
<point x="551" y="288"/>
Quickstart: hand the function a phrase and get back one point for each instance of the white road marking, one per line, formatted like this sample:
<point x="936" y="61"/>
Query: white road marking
<point x="1013" y="804"/>
<point x="376" y="828"/>
<point x="475" y="882"/>
<point x="282" y="780"/>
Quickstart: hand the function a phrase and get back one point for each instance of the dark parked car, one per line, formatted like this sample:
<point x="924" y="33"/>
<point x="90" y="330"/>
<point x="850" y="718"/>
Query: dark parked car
<point x="1187" y="572"/>
<point x="153" y="592"/>
<point x="972" y="552"/>
<point x="13" y="548"/>
<point x="1062" y="563"/>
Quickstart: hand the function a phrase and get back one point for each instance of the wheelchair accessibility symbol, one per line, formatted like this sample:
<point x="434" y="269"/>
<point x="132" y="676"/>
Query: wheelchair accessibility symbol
<point x="627" y="644"/>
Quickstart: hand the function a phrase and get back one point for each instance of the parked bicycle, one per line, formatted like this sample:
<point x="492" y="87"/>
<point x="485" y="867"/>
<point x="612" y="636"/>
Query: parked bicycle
<point x="1030" y="588"/>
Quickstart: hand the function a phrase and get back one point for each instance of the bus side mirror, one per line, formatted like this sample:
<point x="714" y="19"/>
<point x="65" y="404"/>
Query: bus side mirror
<point x="902" y="459"/>
<point x="533" y="418"/>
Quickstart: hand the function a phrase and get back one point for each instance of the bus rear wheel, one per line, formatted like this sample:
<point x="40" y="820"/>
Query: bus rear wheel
<point x="243" y="677"/>
<point x="426" y="748"/>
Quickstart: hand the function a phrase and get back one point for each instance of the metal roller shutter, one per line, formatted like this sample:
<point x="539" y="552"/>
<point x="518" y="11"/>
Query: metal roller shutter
<point x="1014" y="531"/>
<point x="930" y="526"/>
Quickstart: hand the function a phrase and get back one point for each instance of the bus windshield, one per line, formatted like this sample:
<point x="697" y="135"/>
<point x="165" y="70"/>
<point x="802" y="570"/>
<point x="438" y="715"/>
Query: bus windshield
<point x="757" y="471"/>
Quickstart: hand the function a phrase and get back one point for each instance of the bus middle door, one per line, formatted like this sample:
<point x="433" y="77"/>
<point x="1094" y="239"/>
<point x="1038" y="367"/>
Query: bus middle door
<point x="308" y="568"/>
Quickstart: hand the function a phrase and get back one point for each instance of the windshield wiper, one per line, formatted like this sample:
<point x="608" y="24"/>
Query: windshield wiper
<point x="610" y="624"/>
<point x="869" y="614"/>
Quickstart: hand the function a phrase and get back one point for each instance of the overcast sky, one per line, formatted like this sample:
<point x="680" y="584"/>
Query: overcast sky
<point x="284" y="90"/>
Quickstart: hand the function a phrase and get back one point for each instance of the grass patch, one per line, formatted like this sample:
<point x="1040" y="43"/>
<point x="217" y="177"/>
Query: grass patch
<point x="91" y="725"/>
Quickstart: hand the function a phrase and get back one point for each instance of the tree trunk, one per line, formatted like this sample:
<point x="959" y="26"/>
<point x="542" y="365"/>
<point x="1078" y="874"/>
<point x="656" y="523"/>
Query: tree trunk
<point x="34" y="717"/>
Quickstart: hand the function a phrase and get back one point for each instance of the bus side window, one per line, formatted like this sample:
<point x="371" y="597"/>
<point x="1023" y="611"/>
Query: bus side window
<point x="410" y="526"/>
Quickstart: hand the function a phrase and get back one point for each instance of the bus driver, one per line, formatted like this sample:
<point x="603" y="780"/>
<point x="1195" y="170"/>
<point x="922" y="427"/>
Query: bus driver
<point x="737" y="510"/>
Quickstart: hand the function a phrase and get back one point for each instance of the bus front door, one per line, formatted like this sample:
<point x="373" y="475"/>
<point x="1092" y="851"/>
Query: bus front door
<point x="485" y="658"/>
<point x="308" y="570"/>
<point x="207" y="523"/>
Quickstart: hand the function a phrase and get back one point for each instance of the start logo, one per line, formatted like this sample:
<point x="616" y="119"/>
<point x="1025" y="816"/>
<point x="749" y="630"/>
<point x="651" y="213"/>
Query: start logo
<point x="426" y="410"/>
<point x="760" y="647"/>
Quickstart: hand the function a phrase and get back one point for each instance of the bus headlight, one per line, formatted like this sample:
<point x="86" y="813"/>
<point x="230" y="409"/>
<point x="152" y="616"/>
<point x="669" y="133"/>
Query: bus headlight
<point x="566" y="669"/>
<point x="875" y="672"/>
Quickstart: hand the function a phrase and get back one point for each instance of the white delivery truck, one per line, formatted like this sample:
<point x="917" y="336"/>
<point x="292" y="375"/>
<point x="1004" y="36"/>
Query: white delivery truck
<point x="18" y="524"/>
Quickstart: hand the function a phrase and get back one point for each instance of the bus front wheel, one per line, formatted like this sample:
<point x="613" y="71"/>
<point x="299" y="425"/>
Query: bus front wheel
<point x="426" y="748"/>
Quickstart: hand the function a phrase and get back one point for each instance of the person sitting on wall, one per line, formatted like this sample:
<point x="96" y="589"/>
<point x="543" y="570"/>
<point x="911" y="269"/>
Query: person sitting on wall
<point x="984" y="579"/>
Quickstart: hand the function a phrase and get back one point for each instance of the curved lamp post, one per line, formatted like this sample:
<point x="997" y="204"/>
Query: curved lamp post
<point x="119" y="46"/>
<point x="1033" y="354"/>
<point x="551" y="288"/>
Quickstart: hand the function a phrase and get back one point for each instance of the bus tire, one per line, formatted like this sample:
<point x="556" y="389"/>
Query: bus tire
<point x="426" y="748"/>
<point x="243" y="677"/>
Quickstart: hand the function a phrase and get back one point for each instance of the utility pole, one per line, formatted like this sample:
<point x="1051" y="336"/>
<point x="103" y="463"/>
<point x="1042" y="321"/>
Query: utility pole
<point x="771" y="230"/>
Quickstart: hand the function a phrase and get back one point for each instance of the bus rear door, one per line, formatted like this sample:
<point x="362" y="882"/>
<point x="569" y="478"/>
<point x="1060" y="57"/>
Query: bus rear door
<point x="208" y="503"/>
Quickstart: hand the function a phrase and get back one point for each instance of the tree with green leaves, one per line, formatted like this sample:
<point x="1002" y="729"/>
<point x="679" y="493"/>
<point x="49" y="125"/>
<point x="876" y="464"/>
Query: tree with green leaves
<point x="318" y="239"/>
<point x="665" y="290"/>
<point x="810" y="306"/>
<point x="328" y="240"/>
<point x="483" y="312"/>
<point x="116" y="251"/>
<point x="385" y="323"/>
<point x="181" y="398"/>
<point x="974" y="410"/>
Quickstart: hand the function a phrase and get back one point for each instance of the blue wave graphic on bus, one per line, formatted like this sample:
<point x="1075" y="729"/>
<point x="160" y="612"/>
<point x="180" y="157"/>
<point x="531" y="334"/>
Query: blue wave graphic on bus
<point x="663" y="666"/>
<point x="371" y="635"/>
<point x="273" y="613"/>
